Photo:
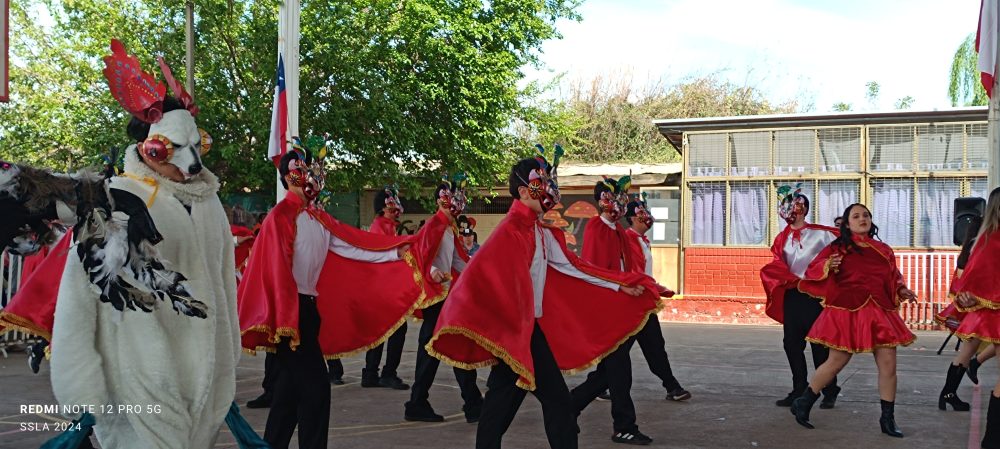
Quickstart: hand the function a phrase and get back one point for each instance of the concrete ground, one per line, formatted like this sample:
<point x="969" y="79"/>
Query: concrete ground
<point x="734" y="372"/>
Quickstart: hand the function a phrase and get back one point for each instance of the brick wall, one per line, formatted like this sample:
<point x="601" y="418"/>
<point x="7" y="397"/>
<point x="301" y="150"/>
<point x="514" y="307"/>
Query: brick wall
<point x="733" y="272"/>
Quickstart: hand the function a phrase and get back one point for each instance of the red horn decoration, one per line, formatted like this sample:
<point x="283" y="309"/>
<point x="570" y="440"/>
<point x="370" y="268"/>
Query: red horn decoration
<point x="137" y="91"/>
<point x="177" y="88"/>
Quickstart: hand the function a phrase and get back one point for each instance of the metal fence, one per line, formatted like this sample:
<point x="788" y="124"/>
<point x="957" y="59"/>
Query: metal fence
<point x="929" y="275"/>
<point x="10" y="268"/>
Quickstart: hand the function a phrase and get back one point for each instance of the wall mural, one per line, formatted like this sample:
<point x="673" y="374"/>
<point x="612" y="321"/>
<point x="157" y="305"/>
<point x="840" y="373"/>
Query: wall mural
<point x="573" y="219"/>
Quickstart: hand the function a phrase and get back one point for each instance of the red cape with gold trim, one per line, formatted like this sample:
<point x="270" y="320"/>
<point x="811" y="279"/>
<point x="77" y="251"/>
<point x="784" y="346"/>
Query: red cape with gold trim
<point x="777" y="278"/>
<point x="490" y="312"/>
<point x="360" y="304"/>
<point x="426" y="244"/>
<point x="383" y="226"/>
<point x="981" y="277"/>
<point x="608" y="248"/>
<point x="866" y="275"/>
<point x="243" y="249"/>
<point x="33" y="307"/>
<point x="635" y="251"/>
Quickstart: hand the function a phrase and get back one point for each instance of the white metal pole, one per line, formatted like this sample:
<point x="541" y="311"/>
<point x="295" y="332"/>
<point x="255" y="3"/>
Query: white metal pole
<point x="288" y="46"/>
<point x="189" y="37"/>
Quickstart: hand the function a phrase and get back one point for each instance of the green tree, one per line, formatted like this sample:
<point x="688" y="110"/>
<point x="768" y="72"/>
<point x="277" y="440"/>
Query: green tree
<point x="842" y="107"/>
<point x="607" y="120"/>
<point x="964" y="86"/>
<point x="872" y="89"/>
<point x="407" y="89"/>
<point x="905" y="102"/>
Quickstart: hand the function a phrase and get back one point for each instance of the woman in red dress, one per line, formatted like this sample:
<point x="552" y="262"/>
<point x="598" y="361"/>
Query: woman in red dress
<point x="977" y="293"/>
<point x="857" y="281"/>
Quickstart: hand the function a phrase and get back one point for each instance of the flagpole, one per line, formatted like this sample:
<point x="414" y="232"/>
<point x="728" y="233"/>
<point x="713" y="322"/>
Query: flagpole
<point x="288" y="45"/>
<point x="993" y="128"/>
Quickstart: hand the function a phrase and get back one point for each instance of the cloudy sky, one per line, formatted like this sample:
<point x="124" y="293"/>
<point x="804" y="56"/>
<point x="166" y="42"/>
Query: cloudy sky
<point x="819" y="52"/>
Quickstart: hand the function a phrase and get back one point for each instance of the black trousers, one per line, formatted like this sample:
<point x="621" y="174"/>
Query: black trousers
<point x="270" y="372"/>
<point x="427" y="367"/>
<point x="801" y="312"/>
<point x="614" y="374"/>
<point x="504" y="397"/>
<point x="651" y="342"/>
<point x="393" y="353"/>
<point x="301" y="387"/>
<point x="336" y="368"/>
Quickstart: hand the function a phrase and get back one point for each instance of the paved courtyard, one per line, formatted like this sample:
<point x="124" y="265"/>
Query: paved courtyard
<point x="734" y="372"/>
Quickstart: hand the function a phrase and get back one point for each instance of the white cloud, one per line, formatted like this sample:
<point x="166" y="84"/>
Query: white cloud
<point x="829" y="49"/>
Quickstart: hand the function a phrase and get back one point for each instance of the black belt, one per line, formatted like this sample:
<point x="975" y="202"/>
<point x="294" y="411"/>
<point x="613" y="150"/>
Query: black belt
<point x="307" y="297"/>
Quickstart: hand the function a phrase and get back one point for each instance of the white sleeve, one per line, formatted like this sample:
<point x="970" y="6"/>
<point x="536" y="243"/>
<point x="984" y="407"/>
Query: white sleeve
<point x="344" y="249"/>
<point x="558" y="260"/>
<point x="445" y="256"/>
<point x="77" y="372"/>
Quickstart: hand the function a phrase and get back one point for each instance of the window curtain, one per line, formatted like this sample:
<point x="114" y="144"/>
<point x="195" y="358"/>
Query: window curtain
<point x="937" y="205"/>
<point x="893" y="210"/>
<point x="708" y="209"/>
<point x="749" y="213"/>
<point x="834" y="197"/>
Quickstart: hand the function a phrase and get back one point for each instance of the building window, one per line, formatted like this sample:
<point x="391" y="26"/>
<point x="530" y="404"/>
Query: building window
<point x="665" y="206"/>
<point x="708" y="204"/>
<point x="748" y="212"/>
<point x="839" y="150"/>
<point x="892" y="210"/>
<point x="833" y="199"/>
<point x="936" y="207"/>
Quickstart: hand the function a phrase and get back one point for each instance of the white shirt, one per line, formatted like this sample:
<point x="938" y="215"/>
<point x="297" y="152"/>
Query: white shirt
<point x="648" y="254"/>
<point x="312" y="241"/>
<point x="800" y="253"/>
<point x="447" y="258"/>
<point x="548" y="253"/>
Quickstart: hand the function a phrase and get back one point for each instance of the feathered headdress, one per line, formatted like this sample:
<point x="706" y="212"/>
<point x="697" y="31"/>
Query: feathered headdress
<point x="138" y="91"/>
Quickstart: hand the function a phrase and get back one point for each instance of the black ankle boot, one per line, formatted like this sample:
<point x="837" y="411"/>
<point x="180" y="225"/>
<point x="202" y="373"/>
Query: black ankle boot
<point x="888" y="420"/>
<point x="973" y="371"/>
<point x="991" y="440"/>
<point x="802" y="406"/>
<point x="829" y="397"/>
<point x="369" y="378"/>
<point x="948" y="394"/>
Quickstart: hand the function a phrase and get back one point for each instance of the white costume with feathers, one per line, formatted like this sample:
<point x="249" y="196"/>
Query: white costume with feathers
<point x="184" y="365"/>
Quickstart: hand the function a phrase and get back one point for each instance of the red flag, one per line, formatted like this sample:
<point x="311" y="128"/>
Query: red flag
<point x="279" y="118"/>
<point x="986" y="43"/>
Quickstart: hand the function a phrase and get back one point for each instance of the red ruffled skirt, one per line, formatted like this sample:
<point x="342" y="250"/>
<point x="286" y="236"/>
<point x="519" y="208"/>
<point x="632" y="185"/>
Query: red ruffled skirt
<point x="983" y="324"/>
<point x="950" y="317"/>
<point x="861" y="330"/>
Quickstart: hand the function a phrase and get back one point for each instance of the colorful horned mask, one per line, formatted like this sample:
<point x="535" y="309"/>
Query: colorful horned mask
<point x="639" y="210"/>
<point x="613" y="196"/>
<point x="451" y="194"/>
<point x="542" y="183"/>
<point x="307" y="171"/>
<point x="792" y="203"/>
<point x="392" y="206"/>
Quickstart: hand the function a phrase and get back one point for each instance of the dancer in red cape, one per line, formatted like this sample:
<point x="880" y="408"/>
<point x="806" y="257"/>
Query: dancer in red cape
<point x="860" y="287"/>
<point x="794" y="249"/>
<point x="529" y="307"/>
<point x="606" y="245"/>
<point x="387" y="212"/>
<point x="438" y="241"/>
<point x="313" y="288"/>
<point x="977" y="293"/>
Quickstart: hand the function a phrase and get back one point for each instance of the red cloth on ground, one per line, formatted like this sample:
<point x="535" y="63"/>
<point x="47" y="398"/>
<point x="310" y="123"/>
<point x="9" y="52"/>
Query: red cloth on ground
<point x="360" y="304"/>
<point x="777" y="277"/>
<point x="490" y="313"/>
<point x="33" y="307"/>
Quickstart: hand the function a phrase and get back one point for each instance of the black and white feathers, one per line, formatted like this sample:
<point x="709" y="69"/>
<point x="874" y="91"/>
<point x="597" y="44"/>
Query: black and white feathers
<point x="114" y="235"/>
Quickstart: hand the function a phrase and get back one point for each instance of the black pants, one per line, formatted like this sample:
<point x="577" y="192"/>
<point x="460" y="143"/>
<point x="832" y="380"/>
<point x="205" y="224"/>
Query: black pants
<point x="393" y="354"/>
<point x="427" y="367"/>
<point x="614" y="374"/>
<point x="270" y="373"/>
<point x="801" y="312"/>
<point x="650" y="340"/>
<point x="301" y="387"/>
<point x="504" y="397"/>
<point x="336" y="368"/>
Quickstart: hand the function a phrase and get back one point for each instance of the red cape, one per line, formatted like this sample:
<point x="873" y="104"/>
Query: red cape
<point x="490" y="313"/>
<point x="360" y="304"/>
<point x="383" y="226"/>
<point x="33" y="307"/>
<point x="868" y="275"/>
<point x="777" y="277"/>
<point x="634" y="248"/>
<point x="981" y="277"/>
<point x="608" y="248"/>
<point x="243" y="249"/>
<point x="426" y="244"/>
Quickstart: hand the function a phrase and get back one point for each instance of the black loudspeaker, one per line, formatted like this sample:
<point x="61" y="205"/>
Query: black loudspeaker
<point x="965" y="210"/>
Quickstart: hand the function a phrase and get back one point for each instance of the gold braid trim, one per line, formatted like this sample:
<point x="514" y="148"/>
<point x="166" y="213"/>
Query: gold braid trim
<point x="861" y="350"/>
<point x="418" y="280"/>
<point x="981" y="303"/>
<point x="651" y="314"/>
<point x="486" y="344"/>
<point x="22" y="324"/>
<point x="273" y="337"/>
<point x="967" y="337"/>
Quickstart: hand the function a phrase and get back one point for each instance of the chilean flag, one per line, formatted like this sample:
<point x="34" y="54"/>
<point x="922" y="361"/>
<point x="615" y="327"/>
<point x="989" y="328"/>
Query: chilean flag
<point x="279" y="118"/>
<point x="986" y="43"/>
